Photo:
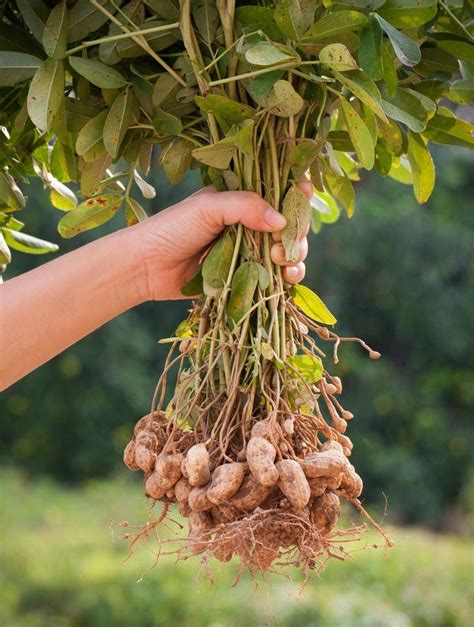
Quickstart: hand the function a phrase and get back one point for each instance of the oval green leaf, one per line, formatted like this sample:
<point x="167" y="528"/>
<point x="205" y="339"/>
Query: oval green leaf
<point x="46" y="93"/>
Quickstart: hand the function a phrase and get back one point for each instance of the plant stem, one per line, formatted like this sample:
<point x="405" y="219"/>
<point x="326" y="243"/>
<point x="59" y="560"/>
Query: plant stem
<point x="128" y="35"/>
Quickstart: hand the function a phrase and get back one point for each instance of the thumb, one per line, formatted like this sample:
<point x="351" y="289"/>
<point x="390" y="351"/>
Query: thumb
<point x="219" y="209"/>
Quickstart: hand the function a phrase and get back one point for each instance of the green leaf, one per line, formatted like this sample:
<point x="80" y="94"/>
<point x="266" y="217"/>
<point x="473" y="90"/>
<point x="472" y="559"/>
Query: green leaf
<point x="255" y="18"/>
<point x="309" y="366"/>
<point x="35" y="14"/>
<point x="364" y="89"/>
<point x="462" y="91"/>
<point x="297" y="210"/>
<point x="311" y="305"/>
<point x="63" y="162"/>
<point x="55" y="32"/>
<point x="216" y="266"/>
<point x="267" y="53"/>
<point x="390" y="77"/>
<point x="438" y="62"/>
<point x="360" y="135"/>
<point x="11" y="196"/>
<point x="407" y="109"/>
<point x="166" y="123"/>
<point x="459" y="49"/>
<point x="422" y="167"/>
<point x="325" y="205"/>
<point x="337" y="57"/>
<point x="117" y="122"/>
<point x="218" y="155"/>
<point x="334" y="24"/>
<point x="46" y="93"/>
<point x="98" y="73"/>
<point x="406" y="49"/>
<point x="370" y="50"/>
<point x="445" y="128"/>
<point x="16" y="67"/>
<point x="165" y="90"/>
<point x="27" y="243"/>
<point x="244" y="284"/>
<point x="90" y="143"/>
<point x="14" y="39"/>
<point x="176" y="159"/>
<point x="89" y="214"/>
<point x="262" y="85"/>
<point x="408" y="13"/>
<point x="294" y="17"/>
<point x="84" y="18"/>
<point x="193" y="287"/>
<point x="282" y="100"/>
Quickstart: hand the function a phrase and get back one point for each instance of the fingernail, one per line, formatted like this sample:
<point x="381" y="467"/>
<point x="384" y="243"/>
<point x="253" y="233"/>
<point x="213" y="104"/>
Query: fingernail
<point x="292" y="271"/>
<point x="274" y="219"/>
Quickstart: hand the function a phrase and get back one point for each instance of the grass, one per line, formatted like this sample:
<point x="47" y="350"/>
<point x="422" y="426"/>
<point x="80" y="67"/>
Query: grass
<point x="59" y="568"/>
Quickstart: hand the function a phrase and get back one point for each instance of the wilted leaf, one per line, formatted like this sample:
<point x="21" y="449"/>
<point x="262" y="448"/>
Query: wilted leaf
<point x="217" y="155"/>
<point x="309" y="367"/>
<point x="16" y="67"/>
<point x="46" y="93"/>
<point x="337" y="57"/>
<point x="215" y="268"/>
<point x="303" y="155"/>
<point x="89" y="214"/>
<point x="360" y="135"/>
<point x="194" y="286"/>
<point x="342" y="190"/>
<point x="147" y="190"/>
<point x="244" y="284"/>
<point x="294" y="17"/>
<point x="282" y="100"/>
<point x="27" y="243"/>
<point x="55" y="32"/>
<point x="93" y="173"/>
<point x="422" y="167"/>
<point x="311" y="304"/>
<point x="226" y="110"/>
<point x="297" y="210"/>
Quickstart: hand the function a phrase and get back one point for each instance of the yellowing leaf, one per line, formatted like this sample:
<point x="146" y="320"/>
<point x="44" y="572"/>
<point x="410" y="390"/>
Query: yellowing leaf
<point x="118" y="120"/>
<point x="422" y="167"/>
<point x="337" y="57"/>
<point x="282" y="99"/>
<point x="309" y="367"/>
<point x="89" y="214"/>
<point x="55" y="32"/>
<point x="175" y="159"/>
<point x="218" y="155"/>
<point x="46" y="93"/>
<point x="215" y="268"/>
<point x="244" y="284"/>
<point x="311" y="304"/>
<point x="360" y="135"/>
<point x="333" y="24"/>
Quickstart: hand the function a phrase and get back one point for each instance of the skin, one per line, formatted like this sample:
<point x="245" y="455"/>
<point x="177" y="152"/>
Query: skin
<point x="46" y="310"/>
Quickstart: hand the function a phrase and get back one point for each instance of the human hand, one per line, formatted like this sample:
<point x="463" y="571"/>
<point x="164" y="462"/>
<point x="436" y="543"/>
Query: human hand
<point x="171" y="243"/>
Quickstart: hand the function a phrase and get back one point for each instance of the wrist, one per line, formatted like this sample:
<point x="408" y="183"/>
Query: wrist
<point x="132" y="277"/>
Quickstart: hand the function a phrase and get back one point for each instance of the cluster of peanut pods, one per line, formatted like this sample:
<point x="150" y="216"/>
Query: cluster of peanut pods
<point x="213" y="492"/>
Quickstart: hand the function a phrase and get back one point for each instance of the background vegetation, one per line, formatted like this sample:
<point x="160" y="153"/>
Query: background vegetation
<point x="399" y="275"/>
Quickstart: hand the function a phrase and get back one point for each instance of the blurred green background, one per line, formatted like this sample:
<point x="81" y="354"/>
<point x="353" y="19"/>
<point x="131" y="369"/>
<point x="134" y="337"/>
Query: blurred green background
<point x="400" y="276"/>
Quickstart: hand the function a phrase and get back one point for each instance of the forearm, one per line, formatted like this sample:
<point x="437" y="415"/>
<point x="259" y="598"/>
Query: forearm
<point x="44" y="311"/>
